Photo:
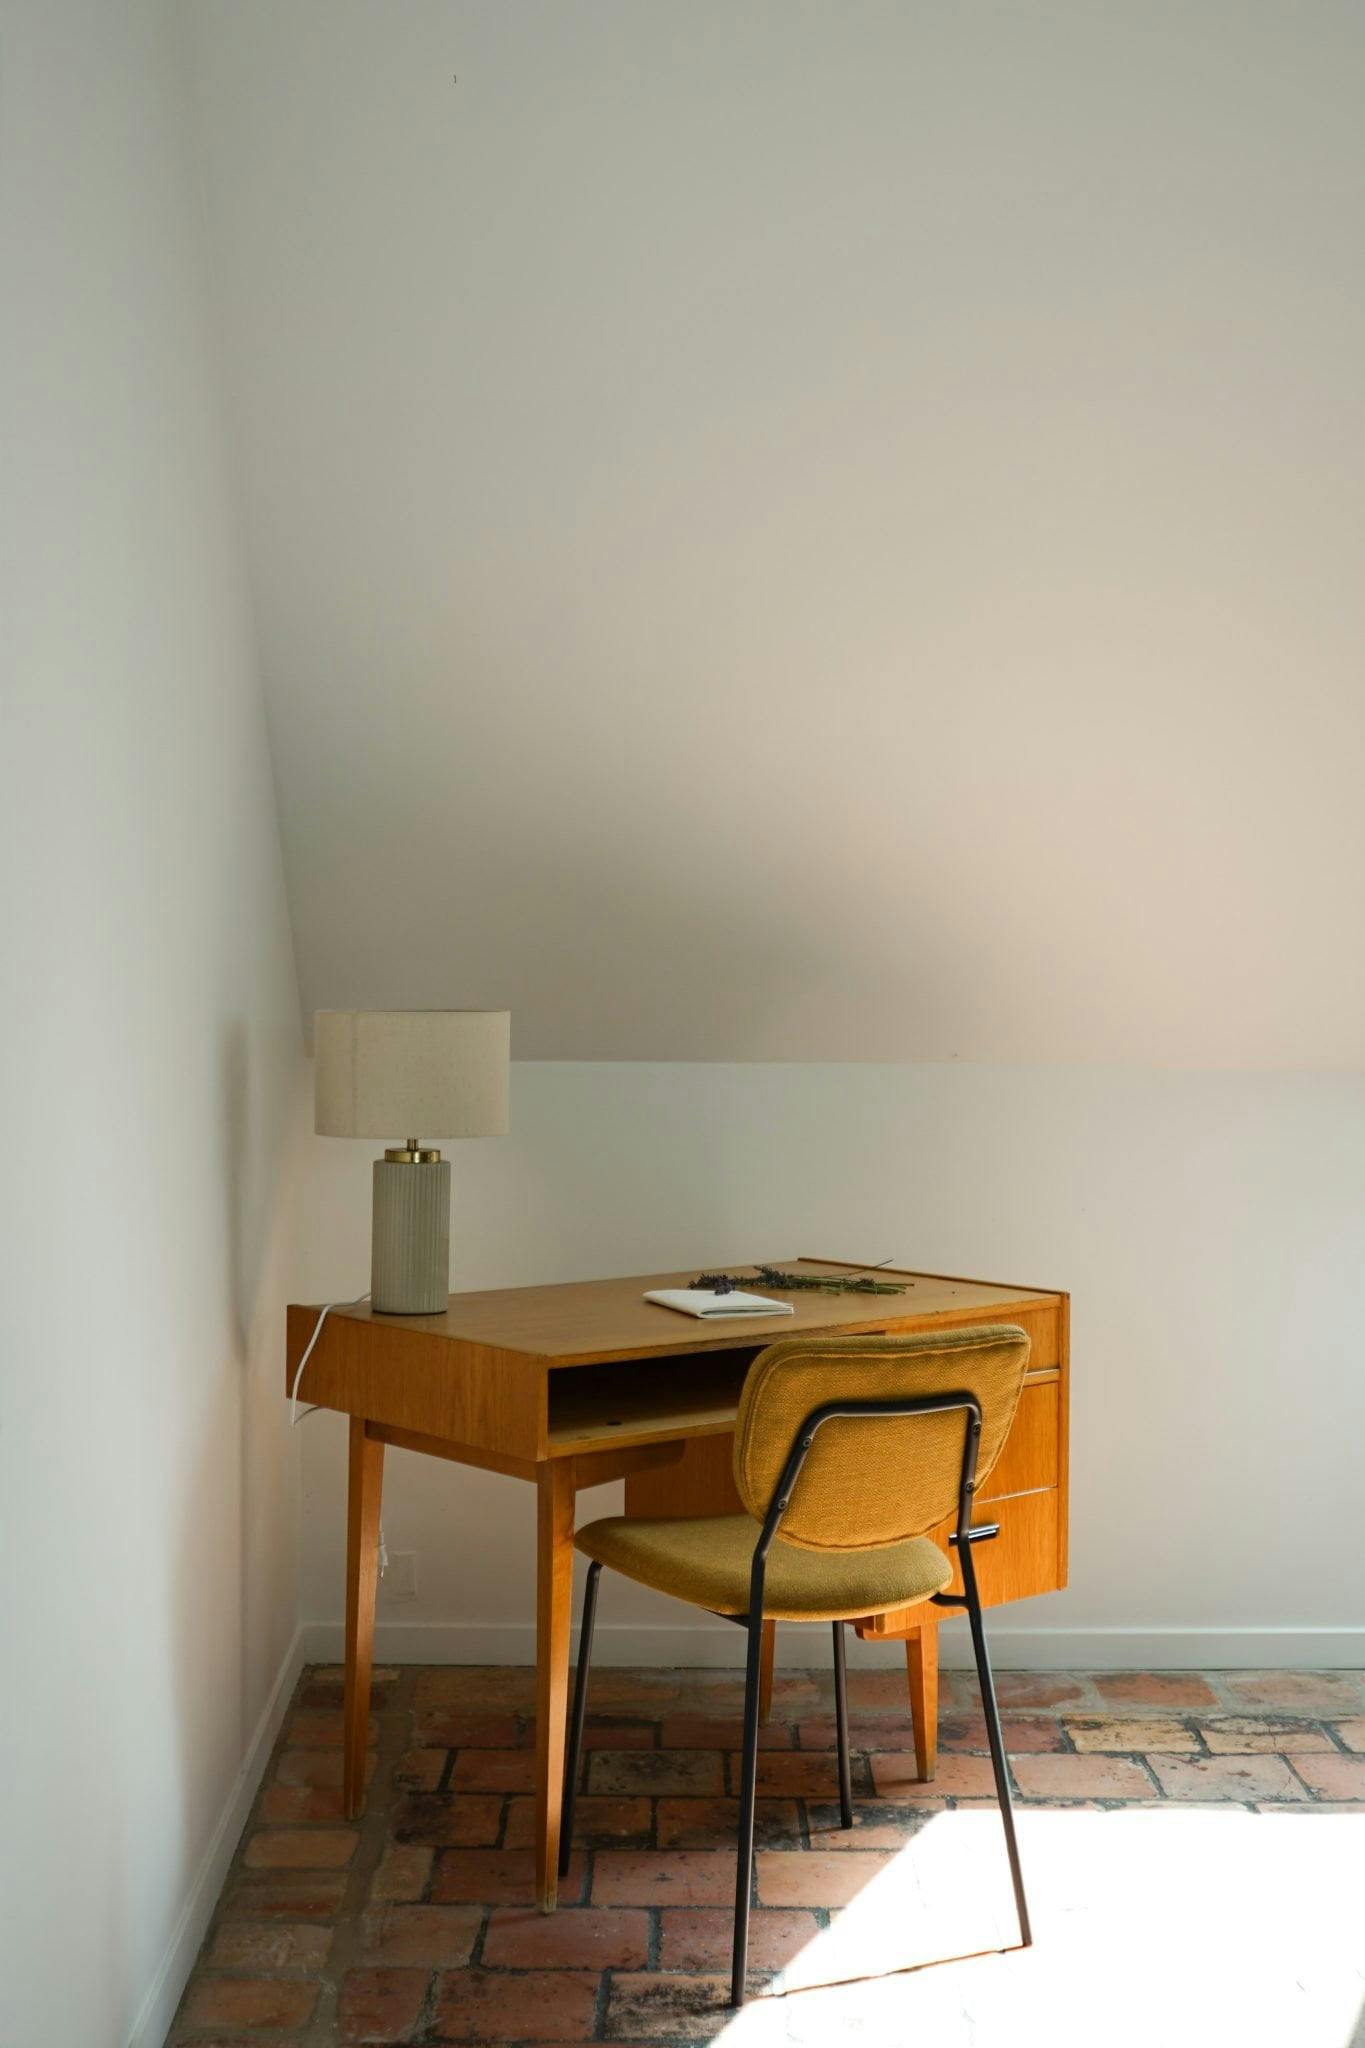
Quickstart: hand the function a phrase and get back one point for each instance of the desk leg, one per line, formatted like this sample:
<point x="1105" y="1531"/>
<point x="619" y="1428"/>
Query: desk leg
<point x="554" y="1599"/>
<point x="921" y="1663"/>
<point x="362" y="1583"/>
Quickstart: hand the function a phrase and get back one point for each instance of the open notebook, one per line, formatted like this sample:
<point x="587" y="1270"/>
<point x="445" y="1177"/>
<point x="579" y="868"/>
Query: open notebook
<point x="700" y="1301"/>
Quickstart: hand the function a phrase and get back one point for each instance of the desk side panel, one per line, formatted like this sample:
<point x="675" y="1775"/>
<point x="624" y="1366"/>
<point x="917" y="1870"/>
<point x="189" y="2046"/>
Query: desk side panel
<point x="422" y="1381"/>
<point x="1064" y="1440"/>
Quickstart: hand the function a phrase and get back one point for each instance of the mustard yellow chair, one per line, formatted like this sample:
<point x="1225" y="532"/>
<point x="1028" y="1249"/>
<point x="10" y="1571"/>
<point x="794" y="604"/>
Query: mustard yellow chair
<point x="846" y="1451"/>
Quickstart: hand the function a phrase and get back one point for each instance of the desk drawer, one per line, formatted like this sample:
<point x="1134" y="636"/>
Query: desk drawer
<point x="1023" y="1558"/>
<point x="1032" y="1455"/>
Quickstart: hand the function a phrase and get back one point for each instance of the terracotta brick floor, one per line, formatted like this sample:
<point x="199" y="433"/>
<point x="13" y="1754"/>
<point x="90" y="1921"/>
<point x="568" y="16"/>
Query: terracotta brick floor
<point x="1157" y="1807"/>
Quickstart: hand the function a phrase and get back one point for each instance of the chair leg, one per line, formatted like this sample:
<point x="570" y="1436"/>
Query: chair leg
<point x="580" y="1698"/>
<point x="996" y="1739"/>
<point x="841" y="1725"/>
<point x="744" y="1861"/>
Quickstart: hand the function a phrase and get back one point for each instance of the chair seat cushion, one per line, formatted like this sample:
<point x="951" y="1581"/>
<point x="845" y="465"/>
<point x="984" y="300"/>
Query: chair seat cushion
<point x="705" y="1559"/>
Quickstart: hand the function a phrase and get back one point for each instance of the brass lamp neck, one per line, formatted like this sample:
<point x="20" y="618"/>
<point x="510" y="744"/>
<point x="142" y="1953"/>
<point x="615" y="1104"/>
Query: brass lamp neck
<point x="410" y="1153"/>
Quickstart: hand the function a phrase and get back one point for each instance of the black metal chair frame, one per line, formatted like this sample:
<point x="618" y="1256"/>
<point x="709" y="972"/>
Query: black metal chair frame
<point x="964" y="1537"/>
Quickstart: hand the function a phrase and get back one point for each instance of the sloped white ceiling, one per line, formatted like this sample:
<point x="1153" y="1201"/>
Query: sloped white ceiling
<point x="809" y="531"/>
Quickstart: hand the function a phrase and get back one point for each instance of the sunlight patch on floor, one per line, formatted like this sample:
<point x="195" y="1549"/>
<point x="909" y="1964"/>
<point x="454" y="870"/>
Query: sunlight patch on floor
<point x="1153" y="1928"/>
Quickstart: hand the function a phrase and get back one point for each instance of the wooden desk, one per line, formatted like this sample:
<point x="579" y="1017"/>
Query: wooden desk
<point x="573" y="1385"/>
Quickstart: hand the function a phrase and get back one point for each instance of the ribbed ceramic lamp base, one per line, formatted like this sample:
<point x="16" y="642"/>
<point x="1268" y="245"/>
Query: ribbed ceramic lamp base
<point x="410" y="1245"/>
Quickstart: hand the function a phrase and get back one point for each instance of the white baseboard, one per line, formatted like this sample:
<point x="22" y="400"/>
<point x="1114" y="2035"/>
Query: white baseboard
<point x="717" y="1646"/>
<point x="153" y="2022"/>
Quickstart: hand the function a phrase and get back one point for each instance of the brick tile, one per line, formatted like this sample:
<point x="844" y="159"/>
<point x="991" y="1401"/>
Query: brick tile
<point x="712" y="1823"/>
<point x="285" y="1895"/>
<point x="959" y="1693"/>
<point x="1025" y="1734"/>
<point x="1226" y="1777"/>
<point x="441" y="1935"/>
<point x="1311" y="1809"/>
<point x="1081" y="1777"/>
<point x="458" y="1728"/>
<point x="300" y="1848"/>
<point x="448" y="1820"/>
<point x="968" y="1777"/>
<point x="580" y="1938"/>
<point x="195" y="2039"/>
<point x="482" y="1688"/>
<point x="877" y="1823"/>
<point x="488" y="2005"/>
<point x="815" y="1877"/>
<point x="292" y="1805"/>
<point x="335" y="1674"/>
<point x="1155" y="1689"/>
<point x="315" y="1767"/>
<point x="1299" y="1692"/>
<point x="251" y="2002"/>
<point x="1033" y="1689"/>
<point x="402" y="1873"/>
<point x="658" y="1743"/>
<point x="720" y="1731"/>
<point x="697" y="1938"/>
<point x="1244" y="1734"/>
<point x="1335" y="1777"/>
<point x="646" y="2006"/>
<point x="381" y="2005"/>
<point x="794" y="1775"/>
<point x="382" y="1674"/>
<point x="1107" y="1732"/>
<point x="873" y="1692"/>
<point x="321" y="1729"/>
<point x="494" y="1770"/>
<point x="498" y="1877"/>
<point x="794" y="1693"/>
<point x="643" y="1695"/>
<point x="677" y="1877"/>
<point x="865" y="1731"/>
<point x="653" y="1773"/>
<point x="692" y="1692"/>
<point x="613" y="1732"/>
<point x="595" y="1822"/>
<point x="329" y="1690"/>
<point x="1153" y="1799"/>
<point x="269" y="1945"/>
<point x="420" y="1770"/>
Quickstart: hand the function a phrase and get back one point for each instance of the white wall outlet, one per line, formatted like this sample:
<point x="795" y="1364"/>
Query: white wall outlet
<point x="400" y="1580"/>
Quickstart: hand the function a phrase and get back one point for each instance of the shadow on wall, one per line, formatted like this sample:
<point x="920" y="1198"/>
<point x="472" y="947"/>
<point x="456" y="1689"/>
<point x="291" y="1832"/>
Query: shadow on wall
<point x="604" y="938"/>
<point x="258" y="1147"/>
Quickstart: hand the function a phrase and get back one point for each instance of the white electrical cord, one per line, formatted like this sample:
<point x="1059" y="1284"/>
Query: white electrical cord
<point x="295" y="1417"/>
<point x="308" y="1352"/>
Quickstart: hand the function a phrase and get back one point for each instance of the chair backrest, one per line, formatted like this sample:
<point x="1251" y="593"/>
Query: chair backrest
<point x="869" y="1481"/>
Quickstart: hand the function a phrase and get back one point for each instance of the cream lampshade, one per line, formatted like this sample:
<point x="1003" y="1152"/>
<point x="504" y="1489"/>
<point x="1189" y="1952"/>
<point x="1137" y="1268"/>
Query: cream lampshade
<point x="414" y="1074"/>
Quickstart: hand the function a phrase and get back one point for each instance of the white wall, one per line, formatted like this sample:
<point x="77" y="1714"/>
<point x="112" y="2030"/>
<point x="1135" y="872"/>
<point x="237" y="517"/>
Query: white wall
<point x="1210" y="1228"/>
<point x="820" y="532"/>
<point x="151" y="1063"/>
<point x="810" y="529"/>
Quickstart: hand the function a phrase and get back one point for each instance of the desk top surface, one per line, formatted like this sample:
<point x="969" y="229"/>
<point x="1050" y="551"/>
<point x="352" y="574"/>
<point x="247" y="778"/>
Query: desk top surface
<point x="580" y="1322"/>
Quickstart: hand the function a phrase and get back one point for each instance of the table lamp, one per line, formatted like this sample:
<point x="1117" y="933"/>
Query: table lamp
<point x="440" y="1073"/>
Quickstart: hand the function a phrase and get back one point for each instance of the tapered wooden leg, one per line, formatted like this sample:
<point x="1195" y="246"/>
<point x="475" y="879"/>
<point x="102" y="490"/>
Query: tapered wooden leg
<point x="362" y="1583"/>
<point x="765" y="1670"/>
<point x="921" y="1662"/>
<point x="554" y="1599"/>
